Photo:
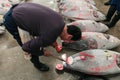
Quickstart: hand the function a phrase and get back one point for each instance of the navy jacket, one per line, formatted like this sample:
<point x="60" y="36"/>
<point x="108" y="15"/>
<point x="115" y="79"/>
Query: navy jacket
<point x="116" y="3"/>
<point x="39" y="21"/>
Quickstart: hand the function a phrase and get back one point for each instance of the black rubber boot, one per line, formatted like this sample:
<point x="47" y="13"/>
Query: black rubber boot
<point x="114" y="20"/>
<point x="107" y="3"/>
<point x="40" y="66"/>
<point x="110" y="13"/>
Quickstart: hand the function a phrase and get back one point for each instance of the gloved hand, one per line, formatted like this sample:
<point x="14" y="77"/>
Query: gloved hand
<point x="57" y="47"/>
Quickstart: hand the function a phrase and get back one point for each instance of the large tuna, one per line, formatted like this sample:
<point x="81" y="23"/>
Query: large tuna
<point x="93" y="62"/>
<point x="4" y="6"/>
<point x="94" y="40"/>
<point x="90" y="26"/>
<point x="77" y="9"/>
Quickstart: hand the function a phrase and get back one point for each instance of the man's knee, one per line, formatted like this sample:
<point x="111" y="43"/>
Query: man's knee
<point x="40" y="53"/>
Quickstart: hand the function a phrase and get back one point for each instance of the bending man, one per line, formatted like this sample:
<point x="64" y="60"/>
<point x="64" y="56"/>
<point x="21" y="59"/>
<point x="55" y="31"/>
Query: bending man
<point x="42" y="22"/>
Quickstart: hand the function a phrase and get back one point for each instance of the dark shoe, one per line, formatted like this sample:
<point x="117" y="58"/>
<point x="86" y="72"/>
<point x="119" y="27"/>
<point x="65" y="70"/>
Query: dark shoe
<point x="42" y="67"/>
<point x="106" y="20"/>
<point x="107" y="3"/>
<point x="114" y="20"/>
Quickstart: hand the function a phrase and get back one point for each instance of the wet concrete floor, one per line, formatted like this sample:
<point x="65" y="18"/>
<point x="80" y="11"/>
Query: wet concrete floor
<point x="13" y="66"/>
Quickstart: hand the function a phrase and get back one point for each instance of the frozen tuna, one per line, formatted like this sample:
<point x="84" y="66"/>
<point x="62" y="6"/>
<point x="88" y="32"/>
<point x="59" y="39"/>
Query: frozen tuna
<point x="104" y="41"/>
<point x="93" y="40"/>
<point x="77" y="9"/>
<point x="87" y="43"/>
<point x="76" y="4"/>
<point x="93" y="62"/>
<point x="4" y="6"/>
<point x="90" y="26"/>
<point x="82" y="14"/>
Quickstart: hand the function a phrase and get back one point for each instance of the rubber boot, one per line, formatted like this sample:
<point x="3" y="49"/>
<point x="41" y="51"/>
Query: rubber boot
<point x="107" y="3"/>
<point x="110" y="13"/>
<point x="40" y="66"/>
<point x="114" y="20"/>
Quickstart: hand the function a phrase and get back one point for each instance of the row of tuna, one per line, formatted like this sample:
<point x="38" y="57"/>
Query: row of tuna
<point x="94" y="56"/>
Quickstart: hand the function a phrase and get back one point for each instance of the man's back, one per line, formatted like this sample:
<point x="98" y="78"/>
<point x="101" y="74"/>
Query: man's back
<point x="31" y="16"/>
<point x="38" y="20"/>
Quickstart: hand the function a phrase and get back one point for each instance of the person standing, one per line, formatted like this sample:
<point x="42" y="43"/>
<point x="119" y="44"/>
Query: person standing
<point x="113" y="14"/>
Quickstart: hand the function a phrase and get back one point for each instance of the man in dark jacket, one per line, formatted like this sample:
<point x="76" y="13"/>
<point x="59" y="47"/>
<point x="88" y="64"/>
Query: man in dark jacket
<point x="43" y="23"/>
<point x="113" y="10"/>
